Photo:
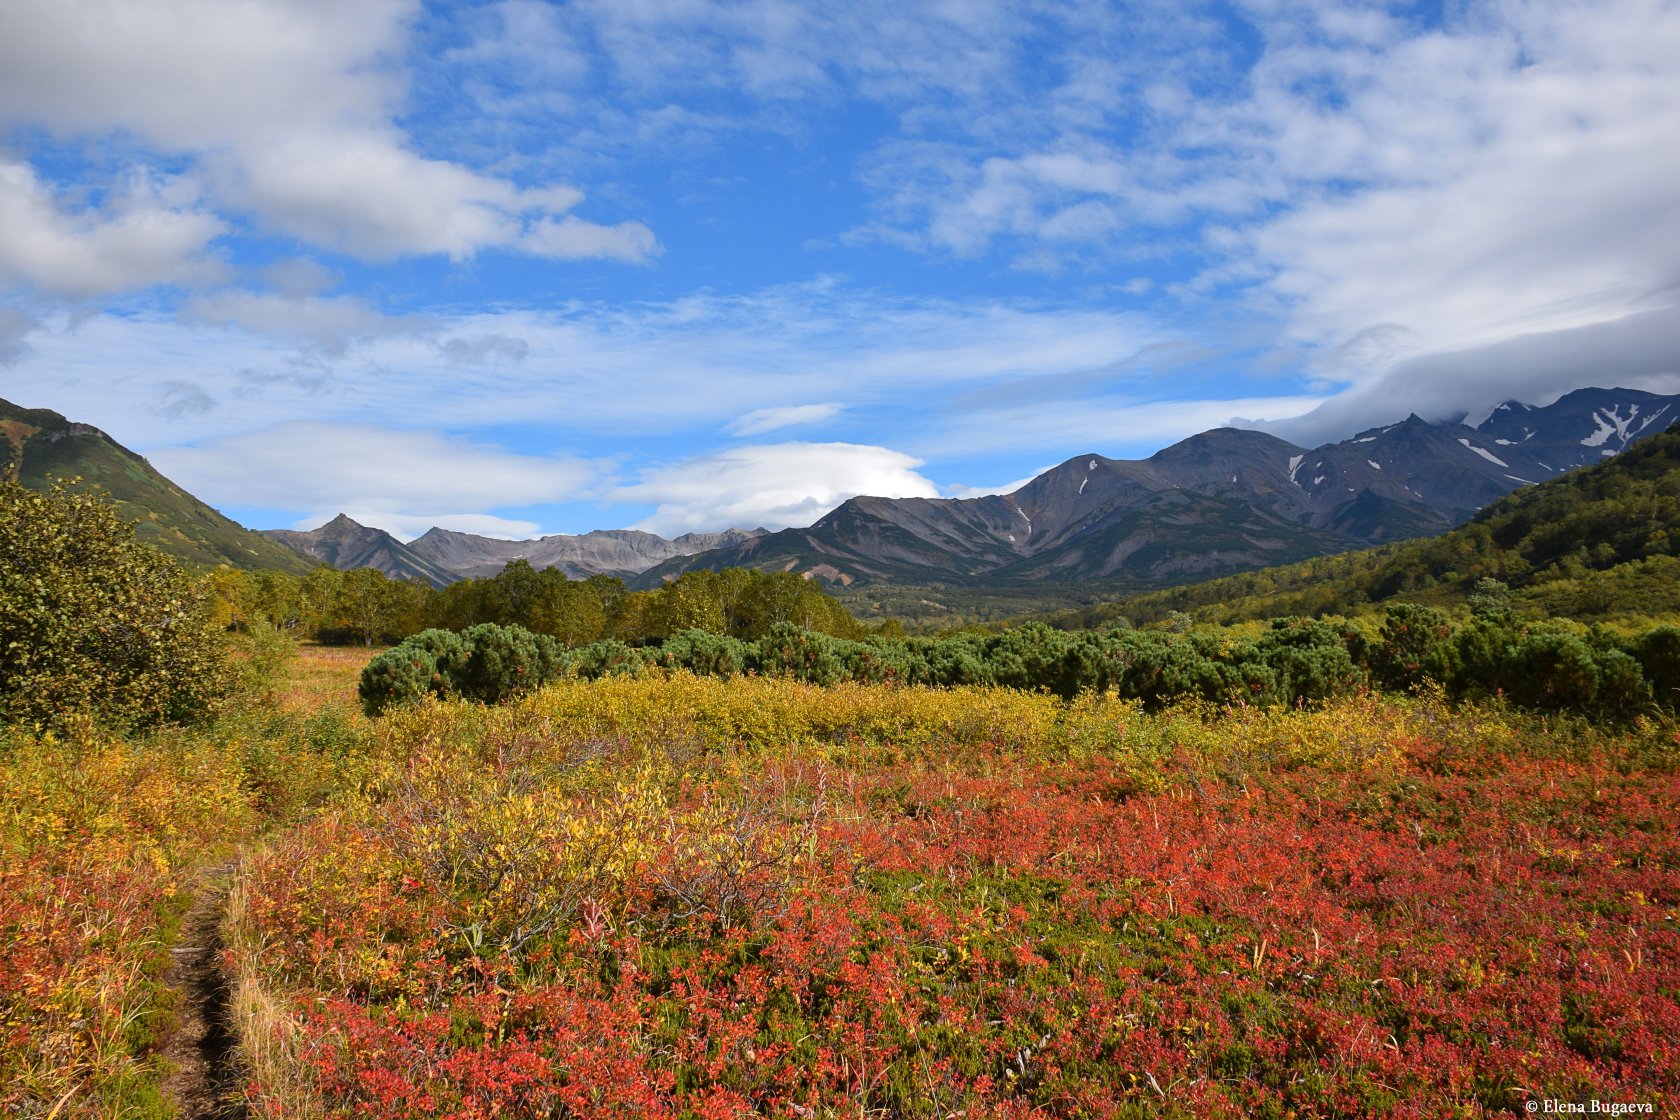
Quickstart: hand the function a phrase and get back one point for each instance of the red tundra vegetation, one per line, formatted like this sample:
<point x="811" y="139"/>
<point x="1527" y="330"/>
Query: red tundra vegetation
<point x="681" y="898"/>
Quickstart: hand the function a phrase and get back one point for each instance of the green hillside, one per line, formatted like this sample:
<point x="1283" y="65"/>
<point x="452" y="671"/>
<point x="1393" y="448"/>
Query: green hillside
<point x="38" y="447"/>
<point x="1599" y="543"/>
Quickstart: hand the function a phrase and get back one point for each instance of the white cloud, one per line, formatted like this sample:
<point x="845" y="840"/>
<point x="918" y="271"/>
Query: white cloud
<point x="15" y="329"/>
<point x="402" y="478"/>
<point x="194" y="74"/>
<point x="592" y="371"/>
<point x="485" y="349"/>
<point x="291" y="109"/>
<point x="1106" y="426"/>
<point x="1506" y="173"/>
<point x="298" y="277"/>
<point x="326" y="322"/>
<point x="1640" y="351"/>
<point x="1510" y="178"/>
<point x="761" y="420"/>
<point x="573" y="239"/>
<point x="773" y="485"/>
<point x="959" y="490"/>
<point x="140" y="236"/>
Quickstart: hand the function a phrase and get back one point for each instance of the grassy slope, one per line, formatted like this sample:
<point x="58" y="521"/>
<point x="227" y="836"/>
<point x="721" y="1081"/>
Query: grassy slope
<point x="40" y="446"/>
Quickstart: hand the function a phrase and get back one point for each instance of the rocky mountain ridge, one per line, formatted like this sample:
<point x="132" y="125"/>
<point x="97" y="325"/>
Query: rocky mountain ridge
<point x="442" y="556"/>
<point x="621" y="552"/>
<point x="1222" y="501"/>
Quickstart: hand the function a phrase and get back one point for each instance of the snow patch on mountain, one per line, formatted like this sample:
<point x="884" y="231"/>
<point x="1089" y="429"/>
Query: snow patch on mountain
<point x="1484" y="453"/>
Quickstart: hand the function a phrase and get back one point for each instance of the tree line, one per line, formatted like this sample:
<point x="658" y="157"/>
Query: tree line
<point x="1543" y="665"/>
<point x="366" y="607"/>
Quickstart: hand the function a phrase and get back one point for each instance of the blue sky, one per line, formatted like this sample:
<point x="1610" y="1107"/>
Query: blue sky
<point x="526" y="267"/>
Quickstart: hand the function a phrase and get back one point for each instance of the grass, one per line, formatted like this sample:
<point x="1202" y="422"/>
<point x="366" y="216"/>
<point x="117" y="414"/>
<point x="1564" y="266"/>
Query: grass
<point x="325" y="677"/>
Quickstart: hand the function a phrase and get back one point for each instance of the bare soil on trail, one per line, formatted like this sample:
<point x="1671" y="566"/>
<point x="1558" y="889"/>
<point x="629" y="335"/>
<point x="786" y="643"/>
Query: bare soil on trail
<point x="203" y="1080"/>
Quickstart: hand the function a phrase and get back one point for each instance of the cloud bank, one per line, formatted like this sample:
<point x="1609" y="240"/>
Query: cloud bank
<point x="771" y="485"/>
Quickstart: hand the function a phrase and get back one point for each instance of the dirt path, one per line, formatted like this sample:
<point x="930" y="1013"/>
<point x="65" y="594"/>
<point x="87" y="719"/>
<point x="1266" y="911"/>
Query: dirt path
<point x="203" y="1082"/>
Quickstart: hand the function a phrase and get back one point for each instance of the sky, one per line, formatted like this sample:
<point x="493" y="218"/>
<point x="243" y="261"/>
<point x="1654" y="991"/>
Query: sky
<point x="527" y="267"/>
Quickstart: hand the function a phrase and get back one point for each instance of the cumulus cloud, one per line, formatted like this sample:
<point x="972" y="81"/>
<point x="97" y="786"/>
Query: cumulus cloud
<point x="573" y="239"/>
<point x="145" y="233"/>
<point x="773" y="485"/>
<point x="398" y="479"/>
<point x="291" y="110"/>
<point x="298" y="277"/>
<point x="761" y="420"/>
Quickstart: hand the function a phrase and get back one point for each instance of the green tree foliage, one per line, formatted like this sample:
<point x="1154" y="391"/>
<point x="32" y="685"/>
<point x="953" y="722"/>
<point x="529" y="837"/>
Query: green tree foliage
<point x="401" y="675"/>
<point x="1658" y="653"/>
<point x="1416" y="646"/>
<point x="1312" y="660"/>
<point x="1551" y="666"/>
<point x="367" y="608"/>
<point x="504" y="661"/>
<point x="488" y="663"/>
<point x="95" y="624"/>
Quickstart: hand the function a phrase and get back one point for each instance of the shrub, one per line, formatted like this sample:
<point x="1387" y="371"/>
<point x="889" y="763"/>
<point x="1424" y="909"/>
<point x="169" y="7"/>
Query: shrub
<point x="447" y="648"/>
<point x="489" y="663"/>
<point x="94" y="623"/>
<point x="1659" y="656"/>
<point x="1621" y="685"/>
<point x="803" y="655"/>
<point x="504" y="661"/>
<point x="609" y="658"/>
<point x="402" y="675"/>
<point x="1417" y="646"/>
<point x="1551" y="670"/>
<point x="1312" y="659"/>
<point x="700" y="651"/>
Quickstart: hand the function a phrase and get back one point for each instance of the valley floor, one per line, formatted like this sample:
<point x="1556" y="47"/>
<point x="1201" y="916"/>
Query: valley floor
<point x="701" y="898"/>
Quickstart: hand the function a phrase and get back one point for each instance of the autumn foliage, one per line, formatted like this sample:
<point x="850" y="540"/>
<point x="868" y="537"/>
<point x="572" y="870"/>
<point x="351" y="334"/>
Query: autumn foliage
<point x="669" y="895"/>
<point x="692" y="898"/>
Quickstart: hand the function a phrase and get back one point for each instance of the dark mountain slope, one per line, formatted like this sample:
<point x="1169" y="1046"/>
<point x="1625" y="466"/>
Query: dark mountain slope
<point x="39" y="446"/>
<point x="347" y="545"/>
<point x="1226" y="500"/>
<point x="1601" y="541"/>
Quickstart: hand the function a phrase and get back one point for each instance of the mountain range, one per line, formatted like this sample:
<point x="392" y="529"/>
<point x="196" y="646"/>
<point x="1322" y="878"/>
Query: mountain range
<point x="442" y="556"/>
<point x="1223" y="501"/>
<point x="1226" y="500"/>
